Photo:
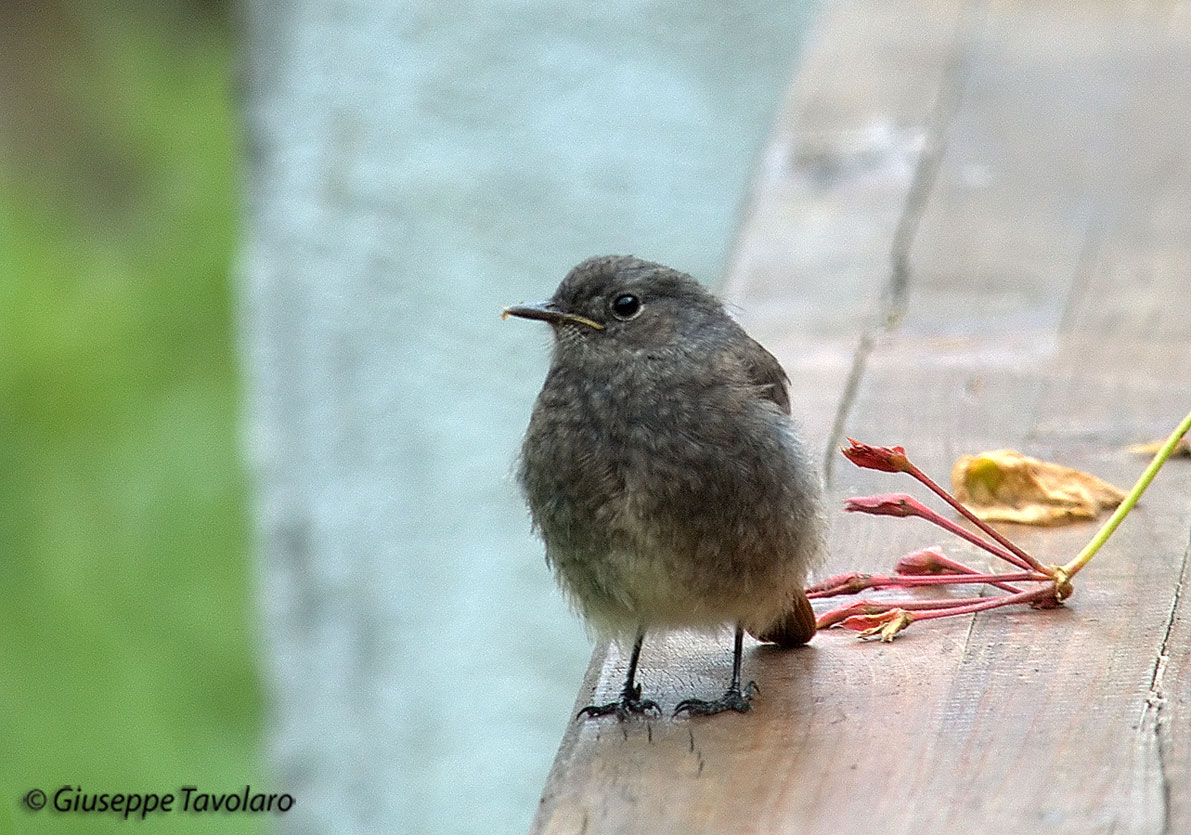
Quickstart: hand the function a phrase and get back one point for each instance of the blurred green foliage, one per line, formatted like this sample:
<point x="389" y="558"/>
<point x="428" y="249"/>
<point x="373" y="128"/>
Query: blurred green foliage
<point x="127" y="635"/>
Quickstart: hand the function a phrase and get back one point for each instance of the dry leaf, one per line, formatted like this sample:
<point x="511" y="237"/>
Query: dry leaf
<point x="1183" y="447"/>
<point x="1006" y="486"/>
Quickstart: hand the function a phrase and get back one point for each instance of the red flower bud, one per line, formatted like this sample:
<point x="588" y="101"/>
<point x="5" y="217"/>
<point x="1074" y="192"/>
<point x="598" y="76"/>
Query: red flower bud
<point x="927" y="561"/>
<point x="888" y="625"/>
<point x="889" y="504"/>
<point x="848" y="583"/>
<point x="884" y="458"/>
<point x="860" y="608"/>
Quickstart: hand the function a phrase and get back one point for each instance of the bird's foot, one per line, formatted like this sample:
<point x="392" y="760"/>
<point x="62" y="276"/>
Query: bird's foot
<point x="734" y="699"/>
<point x="629" y="704"/>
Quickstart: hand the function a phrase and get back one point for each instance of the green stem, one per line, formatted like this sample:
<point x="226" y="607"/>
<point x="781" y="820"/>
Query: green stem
<point x="1081" y="559"/>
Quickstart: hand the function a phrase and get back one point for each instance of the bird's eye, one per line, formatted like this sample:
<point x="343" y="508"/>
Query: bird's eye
<point x="626" y="306"/>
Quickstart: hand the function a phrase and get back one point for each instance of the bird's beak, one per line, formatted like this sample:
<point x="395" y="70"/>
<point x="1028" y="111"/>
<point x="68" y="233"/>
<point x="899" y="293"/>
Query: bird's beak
<point x="547" y="312"/>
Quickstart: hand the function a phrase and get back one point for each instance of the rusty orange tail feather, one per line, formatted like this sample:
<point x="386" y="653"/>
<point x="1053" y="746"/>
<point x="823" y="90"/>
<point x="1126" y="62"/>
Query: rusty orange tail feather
<point x="795" y="629"/>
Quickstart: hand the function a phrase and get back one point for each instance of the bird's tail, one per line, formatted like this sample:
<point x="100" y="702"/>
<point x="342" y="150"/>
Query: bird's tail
<point x="794" y="629"/>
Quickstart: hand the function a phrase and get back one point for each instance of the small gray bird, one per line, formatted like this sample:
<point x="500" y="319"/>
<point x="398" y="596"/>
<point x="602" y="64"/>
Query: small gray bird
<point x="663" y="471"/>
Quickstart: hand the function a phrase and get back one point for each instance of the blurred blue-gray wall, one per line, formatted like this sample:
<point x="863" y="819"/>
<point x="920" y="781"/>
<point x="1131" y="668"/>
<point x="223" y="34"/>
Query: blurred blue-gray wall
<point x="412" y="168"/>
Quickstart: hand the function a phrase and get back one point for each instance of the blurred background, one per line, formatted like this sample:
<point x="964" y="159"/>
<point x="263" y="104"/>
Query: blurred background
<point x="258" y="411"/>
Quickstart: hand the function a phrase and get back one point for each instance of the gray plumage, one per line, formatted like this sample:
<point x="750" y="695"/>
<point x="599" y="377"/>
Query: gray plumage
<point x="661" y="466"/>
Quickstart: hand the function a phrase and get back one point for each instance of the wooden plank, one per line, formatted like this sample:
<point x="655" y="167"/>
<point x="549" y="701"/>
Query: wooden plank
<point x="830" y="193"/>
<point x="812" y="257"/>
<point x="835" y="157"/>
<point x="1042" y="303"/>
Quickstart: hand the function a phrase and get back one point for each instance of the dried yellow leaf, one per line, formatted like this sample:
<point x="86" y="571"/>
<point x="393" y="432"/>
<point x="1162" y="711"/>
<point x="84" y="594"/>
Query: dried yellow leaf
<point x="1006" y="486"/>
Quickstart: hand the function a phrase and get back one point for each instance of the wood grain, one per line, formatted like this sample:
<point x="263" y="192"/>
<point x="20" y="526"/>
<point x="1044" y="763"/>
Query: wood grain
<point x="1003" y="260"/>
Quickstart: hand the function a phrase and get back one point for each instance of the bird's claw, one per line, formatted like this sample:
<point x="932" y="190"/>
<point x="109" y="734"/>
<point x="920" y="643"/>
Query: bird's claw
<point x="629" y="704"/>
<point x="733" y="699"/>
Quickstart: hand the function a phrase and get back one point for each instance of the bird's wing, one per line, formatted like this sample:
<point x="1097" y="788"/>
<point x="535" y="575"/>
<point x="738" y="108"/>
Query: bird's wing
<point x="765" y="372"/>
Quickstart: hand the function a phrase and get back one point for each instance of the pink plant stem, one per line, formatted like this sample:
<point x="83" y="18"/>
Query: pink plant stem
<point x="1029" y="562"/>
<point x="1039" y="594"/>
<point x="876" y="607"/>
<point x="980" y="542"/>
<point x="912" y="580"/>
<point x="946" y="564"/>
<point x="931" y="609"/>
<point x="855" y="583"/>
<point x="938" y="603"/>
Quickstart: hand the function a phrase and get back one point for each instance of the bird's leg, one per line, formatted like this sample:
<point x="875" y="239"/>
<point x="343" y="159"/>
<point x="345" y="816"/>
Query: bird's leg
<point x="630" y="700"/>
<point x="733" y="699"/>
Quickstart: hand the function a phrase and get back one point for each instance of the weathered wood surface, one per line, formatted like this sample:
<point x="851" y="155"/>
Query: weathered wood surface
<point x="973" y="230"/>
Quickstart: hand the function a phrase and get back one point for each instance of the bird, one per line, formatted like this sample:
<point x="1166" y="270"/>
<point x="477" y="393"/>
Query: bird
<point x="664" y="473"/>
